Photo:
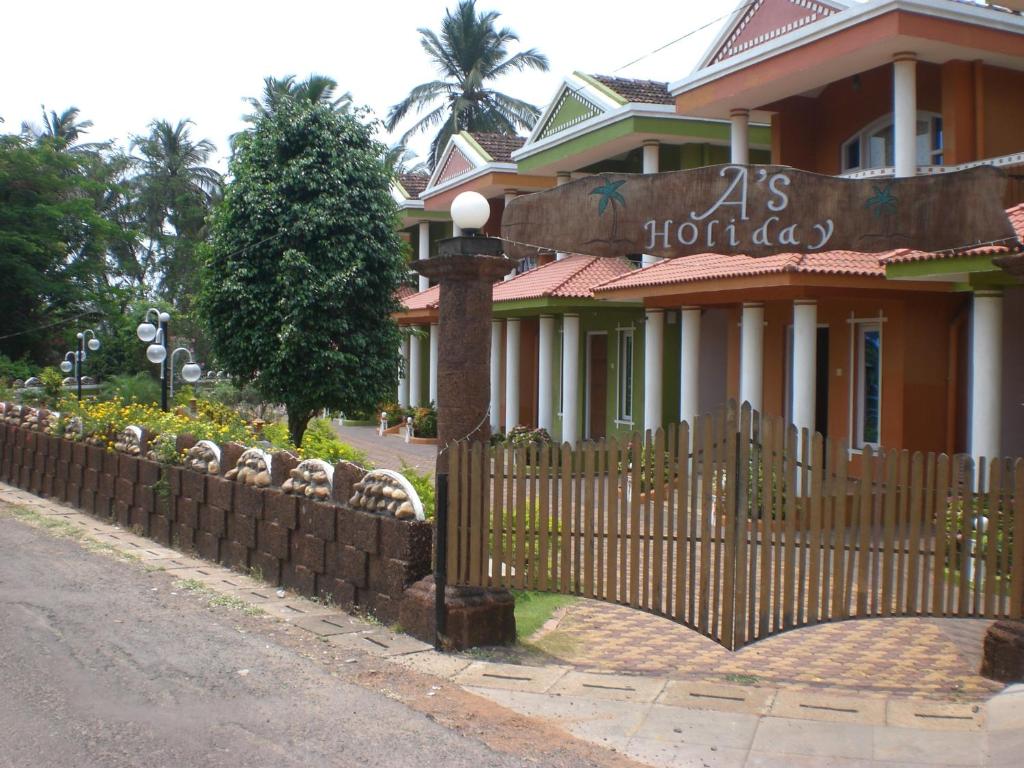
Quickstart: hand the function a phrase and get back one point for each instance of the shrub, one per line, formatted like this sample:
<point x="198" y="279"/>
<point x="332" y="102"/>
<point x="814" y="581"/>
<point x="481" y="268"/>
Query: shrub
<point x="424" y="422"/>
<point x="423" y="482"/>
<point x="14" y="369"/>
<point x="51" y="378"/>
<point x="140" y="388"/>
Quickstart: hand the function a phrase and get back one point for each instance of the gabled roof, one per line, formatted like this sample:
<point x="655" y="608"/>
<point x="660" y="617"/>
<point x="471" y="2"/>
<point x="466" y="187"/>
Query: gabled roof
<point x="715" y="266"/>
<point x="498" y="146"/>
<point x="574" y="277"/>
<point x="413" y="183"/>
<point x="637" y="91"/>
<point x="427" y="299"/>
<point x="470" y="154"/>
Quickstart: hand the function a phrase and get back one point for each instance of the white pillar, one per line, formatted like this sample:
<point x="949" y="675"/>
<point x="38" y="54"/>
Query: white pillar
<point x="689" y="364"/>
<point x="510" y="195"/>
<point x="511" y="373"/>
<point x="752" y="355"/>
<point x="986" y="374"/>
<point x="403" y="376"/>
<point x="424" y="251"/>
<point x="739" y="139"/>
<point x="650" y="166"/>
<point x="904" y="113"/>
<point x="563" y="177"/>
<point x="570" y="378"/>
<point x="495" y="375"/>
<point x="545" y="388"/>
<point x="415" y="371"/>
<point x="804" y="372"/>
<point x="434" y="336"/>
<point x="654" y="335"/>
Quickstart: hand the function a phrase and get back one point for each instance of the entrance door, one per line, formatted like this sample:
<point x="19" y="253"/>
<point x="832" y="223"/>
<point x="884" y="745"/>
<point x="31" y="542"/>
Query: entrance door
<point x="597" y="385"/>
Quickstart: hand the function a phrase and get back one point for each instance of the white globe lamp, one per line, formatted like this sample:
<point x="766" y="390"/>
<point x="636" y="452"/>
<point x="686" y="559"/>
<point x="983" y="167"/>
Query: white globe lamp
<point x="470" y="211"/>
<point x="66" y="366"/>
<point x="94" y="344"/>
<point x="190" y="372"/>
<point x="146" y="332"/>
<point x="156" y="353"/>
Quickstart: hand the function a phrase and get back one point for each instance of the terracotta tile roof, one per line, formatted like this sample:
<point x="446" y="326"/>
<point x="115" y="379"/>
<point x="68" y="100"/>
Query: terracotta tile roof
<point x="413" y="183"/>
<point x="427" y="299"/>
<point x="574" y="277"/>
<point x="713" y="266"/>
<point x="637" y="91"/>
<point x="404" y="291"/>
<point x="499" y="145"/>
<point x="1016" y="216"/>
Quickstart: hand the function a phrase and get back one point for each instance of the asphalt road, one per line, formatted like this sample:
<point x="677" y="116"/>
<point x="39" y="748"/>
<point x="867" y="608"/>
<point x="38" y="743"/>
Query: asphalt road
<point x="101" y="665"/>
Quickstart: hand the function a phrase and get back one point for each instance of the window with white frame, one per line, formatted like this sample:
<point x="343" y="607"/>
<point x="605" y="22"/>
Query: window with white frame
<point x="625" y="394"/>
<point x="874" y="147"/>
<point x="867" y="384"/>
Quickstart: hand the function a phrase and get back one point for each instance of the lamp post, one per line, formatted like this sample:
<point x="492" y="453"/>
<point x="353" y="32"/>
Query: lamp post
<point x="157" y="336"/>
<point x="466" y="268"/>
<point x="190" y="372"/>
<point x="79" y="356"/>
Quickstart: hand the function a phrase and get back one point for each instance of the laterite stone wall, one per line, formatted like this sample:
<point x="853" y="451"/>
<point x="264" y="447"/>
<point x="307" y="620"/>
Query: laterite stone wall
<point x="319" y="549"/>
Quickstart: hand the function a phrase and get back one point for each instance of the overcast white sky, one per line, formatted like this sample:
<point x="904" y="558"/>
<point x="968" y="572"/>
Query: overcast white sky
<point x="126" y="63"/>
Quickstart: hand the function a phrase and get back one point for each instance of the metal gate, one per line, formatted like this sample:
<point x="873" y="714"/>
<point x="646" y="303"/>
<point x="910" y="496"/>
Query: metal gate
<point x="741" y="527"/>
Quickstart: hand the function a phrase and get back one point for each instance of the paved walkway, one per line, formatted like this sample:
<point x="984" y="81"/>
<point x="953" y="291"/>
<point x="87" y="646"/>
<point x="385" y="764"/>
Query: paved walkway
<point x="652" y="718"/>
<point x="390" y="451"/>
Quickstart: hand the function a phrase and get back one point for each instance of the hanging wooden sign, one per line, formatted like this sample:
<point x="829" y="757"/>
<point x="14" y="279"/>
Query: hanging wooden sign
<point x="757" y="210"/>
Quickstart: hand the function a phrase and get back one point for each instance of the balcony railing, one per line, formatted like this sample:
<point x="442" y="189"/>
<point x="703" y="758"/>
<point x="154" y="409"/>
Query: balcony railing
<point x="1017" y="158"/>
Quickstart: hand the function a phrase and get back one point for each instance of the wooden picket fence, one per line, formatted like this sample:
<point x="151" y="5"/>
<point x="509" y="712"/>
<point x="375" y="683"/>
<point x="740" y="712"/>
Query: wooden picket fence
<point x="741" y="527"/>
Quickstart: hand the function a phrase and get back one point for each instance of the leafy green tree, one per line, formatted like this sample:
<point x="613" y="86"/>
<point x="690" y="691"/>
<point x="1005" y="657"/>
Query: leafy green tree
<point x="469" y="52"/>
<point x="300" y="277"/>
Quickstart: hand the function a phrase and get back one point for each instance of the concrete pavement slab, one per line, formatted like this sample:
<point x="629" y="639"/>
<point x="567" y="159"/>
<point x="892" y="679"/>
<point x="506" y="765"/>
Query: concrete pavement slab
<point x="934" y="715"/>
<point x="379" y="643"/>
<point x="668" y="755"/>
<point x="511" y="676"/>
<point x="807" y="705"/>
<point x="332" y="624"/>
<point x="436" y="664"/>
<point x="693" y="726"/>
<point x="695" y="694"/>
<point x="929" y="747"/>
<point x="1005" y="711"/>
<point x="609" y="686"/>
<point x="813" y="738"/>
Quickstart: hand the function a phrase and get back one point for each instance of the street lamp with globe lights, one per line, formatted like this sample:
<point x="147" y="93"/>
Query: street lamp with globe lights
<point x="78" y="356"/>
<point x="157" y="336"/>
<point x="190" y="372"/>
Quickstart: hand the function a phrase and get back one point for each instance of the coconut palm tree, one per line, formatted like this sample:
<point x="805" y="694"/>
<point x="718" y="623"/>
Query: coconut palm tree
<point x="470" y="52"/>
<point x="62" y="130"/>
<point x="315" y="88"/>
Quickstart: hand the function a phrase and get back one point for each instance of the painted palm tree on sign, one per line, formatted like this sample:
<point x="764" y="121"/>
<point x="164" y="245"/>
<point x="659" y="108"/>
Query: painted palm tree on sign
<point x="470" y="53"/>
<point x="608" y="194"/>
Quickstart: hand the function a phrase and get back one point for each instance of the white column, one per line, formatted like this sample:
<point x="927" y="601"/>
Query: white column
<point x="403" y="380"/>
<point x="804" y="372"/>
<point x="904" y="113"/>
<point x="654" y="335"/>
<point x="511" y="373"/>
<point x="752" y="355"/>
<point x="434" y="336"/>
<point x="739" y="139"/>
<point x="510" y="195"/>
<point x="570" y="378"/>
<point x="415" y="371"/>
<point x="986" y="374"/>
<point x="563" y="177"/>
<point x="689" y="363"/>
<point x="424" y="251"/>
<point x="650" y="166"/>
<point x="495" y="375"/>
<point x="545" y="388"/>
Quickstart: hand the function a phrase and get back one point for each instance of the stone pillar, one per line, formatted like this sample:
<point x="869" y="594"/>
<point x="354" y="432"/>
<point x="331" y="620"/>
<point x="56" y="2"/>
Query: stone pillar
<point x="570" y="378"/>
<point x="752" y="355"/>
<point x="904" y="114"/>
<point x="403" y="376"/>
<point x="465" y="269"/>
<point x="654" y="335"/>
<point x="563" y="177"/>
<point x="510" y="195"/>
<point x="739" y="137"/>
<point x="424" y="251"/>
<point x="986" y="374"/>
<point x="689" y="364"/>
<point x="545" y="387"/>
<point x="433" y="363"/>
<point x="511" y="373"/>
<point x="650" y="149"/>
<point x="495" y="375"/>
<point x="415" y="370"/>
<point x="804" y="373"/>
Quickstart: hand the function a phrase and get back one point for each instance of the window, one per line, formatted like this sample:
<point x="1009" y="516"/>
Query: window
<point x="625" y="399"/>
<point x="873" y="147"/>
<point x="868" y="384"/>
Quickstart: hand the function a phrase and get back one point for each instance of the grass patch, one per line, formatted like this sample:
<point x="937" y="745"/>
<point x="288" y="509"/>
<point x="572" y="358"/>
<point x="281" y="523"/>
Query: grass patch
<point x="192" y="585"/>
<point x="236" y="604"/>
<point x="56" y="525"/>
<point x="742" y="679"/>
<point x="535" y="608"/>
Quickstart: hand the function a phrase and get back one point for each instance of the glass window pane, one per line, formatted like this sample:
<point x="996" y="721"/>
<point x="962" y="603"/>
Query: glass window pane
<point x="871" y="382"/>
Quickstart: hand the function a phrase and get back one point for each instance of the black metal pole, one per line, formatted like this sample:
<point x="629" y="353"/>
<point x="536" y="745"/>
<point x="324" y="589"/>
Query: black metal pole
<point x="441" y="561"/>
<point x="79" y="359"/>
<point x="165" y="365"/>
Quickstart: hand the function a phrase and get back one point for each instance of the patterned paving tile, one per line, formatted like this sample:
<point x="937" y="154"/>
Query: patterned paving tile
<point x="922" y="657"/>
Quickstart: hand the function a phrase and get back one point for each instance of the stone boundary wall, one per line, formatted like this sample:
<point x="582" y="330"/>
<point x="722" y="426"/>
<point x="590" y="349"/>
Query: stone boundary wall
<point x="319" y="549"/>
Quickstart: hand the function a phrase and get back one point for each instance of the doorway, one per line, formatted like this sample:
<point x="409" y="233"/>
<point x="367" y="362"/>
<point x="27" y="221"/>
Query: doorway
<point x="597" y="386"/>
